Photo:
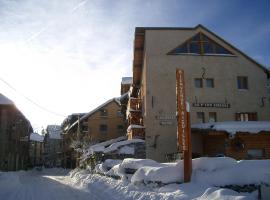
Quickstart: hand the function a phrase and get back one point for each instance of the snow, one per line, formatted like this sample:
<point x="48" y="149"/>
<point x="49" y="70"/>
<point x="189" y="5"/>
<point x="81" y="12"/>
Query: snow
<point x="233" y="127"/>
<point x="116" y="145"/>
<point x="82" y="185"/>
<point x="119" y="145"/>
<point x="223" y="171"/>
<point x="133" y="163"/>
<point x="5" y="101"/>
<point x="36" y="137"/>
<point x="134" y="126"/>
<point x="126" y="80"/>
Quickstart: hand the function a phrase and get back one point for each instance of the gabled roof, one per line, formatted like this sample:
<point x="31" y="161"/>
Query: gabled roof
<point x="140" y="40"/>
<point x="116" y="100"/>
<point x="5" y="101"/>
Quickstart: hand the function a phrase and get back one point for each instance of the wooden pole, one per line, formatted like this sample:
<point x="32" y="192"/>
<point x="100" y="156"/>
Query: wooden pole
<point x="183" y="125"/>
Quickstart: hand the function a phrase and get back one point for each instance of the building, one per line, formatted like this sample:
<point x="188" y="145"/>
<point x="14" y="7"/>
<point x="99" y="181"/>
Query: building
<point x="103" y="123"/>
<point x="36" y="149"/>
<point x="222" y="84"/>
<point x="125" y="86"/>
<point x="69" y="155"/>
<point x="239" y="140"/>
<point x="15" y="131"/>
<point x="53" y="146"/>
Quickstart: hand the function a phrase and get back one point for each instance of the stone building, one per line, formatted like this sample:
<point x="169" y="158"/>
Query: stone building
<point x="53" y="146"/>
<point x="36" y="149"/>
<point x="222" y="84"/>
<point x="15" y="131"/>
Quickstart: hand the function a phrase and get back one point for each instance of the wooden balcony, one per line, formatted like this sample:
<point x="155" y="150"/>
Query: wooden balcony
<point x="135" y="104"/>
<point x="136" y="133"/>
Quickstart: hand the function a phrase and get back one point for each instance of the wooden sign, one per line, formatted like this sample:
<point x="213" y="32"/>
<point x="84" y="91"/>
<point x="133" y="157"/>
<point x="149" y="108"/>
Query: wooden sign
<point x="183" y="127"/>
<point x="212" y="105"/>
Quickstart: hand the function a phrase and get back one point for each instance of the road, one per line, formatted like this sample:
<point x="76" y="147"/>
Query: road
<point x="36" y="185"/>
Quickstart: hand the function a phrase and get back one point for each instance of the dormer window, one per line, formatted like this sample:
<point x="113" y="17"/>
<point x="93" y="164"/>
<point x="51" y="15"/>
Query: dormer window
<point x="103" y="112"/>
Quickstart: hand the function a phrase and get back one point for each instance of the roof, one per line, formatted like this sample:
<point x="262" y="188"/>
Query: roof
<point x="233" y="127"/>
<point x="140" y="31"/>
<point x="116" y="100"/>
<point x="36" y="137"/>
<point x="54" y="131"/>
<point x="5" y="101"/>
<point x="126" y="80"/>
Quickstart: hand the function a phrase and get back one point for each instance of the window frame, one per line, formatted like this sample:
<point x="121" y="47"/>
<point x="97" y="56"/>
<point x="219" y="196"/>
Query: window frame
<point x="201" y="82"/>
<point x="242" y="83"/>
<point x="212" y="83"/>
<point x="203" y="116"/>
<point x="103" y="130"/>
<point x="215" y="113"/>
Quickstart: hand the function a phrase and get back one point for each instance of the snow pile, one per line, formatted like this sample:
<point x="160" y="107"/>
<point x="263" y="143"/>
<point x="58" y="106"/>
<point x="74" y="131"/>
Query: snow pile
<point x="162" y="174"/>
<point x="223" y="171"/>
<point x="115" y="146"/>
<point x="244" y="172"/>
<point x="233" y="127"/>
<point x="212" y="164"/>
<point x="100" y="147"/>
<point x="36" y="137"/>
<point x="132" y="163"/>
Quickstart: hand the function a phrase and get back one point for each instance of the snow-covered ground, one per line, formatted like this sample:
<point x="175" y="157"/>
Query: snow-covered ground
<point x="58" y="184"/>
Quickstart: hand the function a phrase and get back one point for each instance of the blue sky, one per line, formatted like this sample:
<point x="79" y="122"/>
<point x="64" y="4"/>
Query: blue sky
<point x="69" y="56"/>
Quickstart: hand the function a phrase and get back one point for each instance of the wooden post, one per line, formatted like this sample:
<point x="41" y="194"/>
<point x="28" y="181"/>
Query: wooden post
<point x="183" y="125"/>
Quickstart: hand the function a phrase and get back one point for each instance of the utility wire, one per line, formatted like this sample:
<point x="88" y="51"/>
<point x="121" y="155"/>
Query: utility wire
<point x="31" y="101"/>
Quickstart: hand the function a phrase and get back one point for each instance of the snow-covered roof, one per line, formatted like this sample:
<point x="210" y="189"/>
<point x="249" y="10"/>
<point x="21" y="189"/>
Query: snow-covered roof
<point x="36" y="137"/>
<point x="126" y="80"/>
<point x="5" y="101"/>
<point x="233" y="127"/>
<point x="54" y="131"/>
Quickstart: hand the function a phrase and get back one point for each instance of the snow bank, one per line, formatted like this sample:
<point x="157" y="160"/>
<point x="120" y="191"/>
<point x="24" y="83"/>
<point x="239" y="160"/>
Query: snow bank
<point x="163" y="174"/>
<point x="211" y="164"/>
<point x="233" y="127"/>
<point x="210" y="171"/>
<point x="109" y="163"/>
<point x="133" y="163"/>
<point x="242" y="173"/>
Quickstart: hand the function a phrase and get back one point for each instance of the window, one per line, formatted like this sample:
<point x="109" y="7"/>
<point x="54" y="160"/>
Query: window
<point x="103" y="128"/>
<point x="120" y="127"/>
<point x="246" y="116"/>
<point x="198" y="82"/>
<point x="210" y="82"/>
<point x="242" y="82"/>
<point x="119" y="113"/>
<point x="200" y="117"/>
<point x="103" y="112"/>
<point x="212" y="116"/>
<point x="255" y="153"/>
<point x="202" y="45"/>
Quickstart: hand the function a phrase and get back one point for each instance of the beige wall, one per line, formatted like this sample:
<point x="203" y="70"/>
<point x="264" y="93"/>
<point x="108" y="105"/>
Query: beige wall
<point x="112" y="121"/>
<point x="159" y="86"/>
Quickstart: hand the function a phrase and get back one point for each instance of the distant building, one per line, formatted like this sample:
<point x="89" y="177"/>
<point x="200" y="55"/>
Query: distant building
<point x="53" y="146"/>
<point x="221" y="82"/>
<point x="103" y="123"/>
<point x="36" y="149"/>
<point x="15" y="131"/>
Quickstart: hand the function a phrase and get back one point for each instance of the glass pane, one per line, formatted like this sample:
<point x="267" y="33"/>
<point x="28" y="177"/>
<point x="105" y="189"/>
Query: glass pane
<point x="194" y="47"/>
<point x="181" y="49"/>
<point x="200" y="117"/>
<point x="205" y="38"/>
<point x="220" y="50"/>
<point x="212" y="117"/>
<point x="196" y="38"/>
<point x="198" y="82"/>
<point x="210" y="82"/>
<point x="208" y="47"/>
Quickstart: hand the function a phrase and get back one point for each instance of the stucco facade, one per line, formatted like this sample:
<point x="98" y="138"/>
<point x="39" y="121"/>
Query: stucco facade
<point x="157" y="85"/>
